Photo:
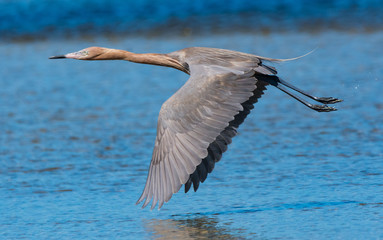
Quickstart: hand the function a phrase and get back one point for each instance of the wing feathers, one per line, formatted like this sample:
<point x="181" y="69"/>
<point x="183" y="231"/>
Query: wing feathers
<point x="229" y="132"/>
<point x="202" y="172"/>
<point x="155" y="184"/>
<point x="196" y="125"/>
<point x="173" y="166"/>
<point x="185" y="159"/>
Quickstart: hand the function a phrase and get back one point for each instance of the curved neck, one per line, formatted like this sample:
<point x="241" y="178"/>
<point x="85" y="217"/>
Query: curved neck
<point x="145" y="58"/>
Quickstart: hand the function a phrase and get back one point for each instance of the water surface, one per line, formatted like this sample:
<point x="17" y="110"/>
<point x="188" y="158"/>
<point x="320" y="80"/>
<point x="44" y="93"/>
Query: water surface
<point x="77" y="137"/>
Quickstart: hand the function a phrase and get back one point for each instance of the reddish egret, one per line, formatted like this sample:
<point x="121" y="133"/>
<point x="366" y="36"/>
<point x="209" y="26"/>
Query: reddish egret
<point x="197" y="123"/>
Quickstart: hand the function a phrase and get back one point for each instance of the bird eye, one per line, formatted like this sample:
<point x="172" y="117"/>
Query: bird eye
<point x="85" y="53"/>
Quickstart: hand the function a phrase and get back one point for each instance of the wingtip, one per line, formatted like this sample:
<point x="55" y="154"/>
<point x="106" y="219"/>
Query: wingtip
<point x="153" y="206"/>
<point x="140" y="199"/>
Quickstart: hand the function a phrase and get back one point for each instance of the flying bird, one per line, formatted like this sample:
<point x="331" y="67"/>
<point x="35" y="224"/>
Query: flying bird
<point x="198" y="122"/>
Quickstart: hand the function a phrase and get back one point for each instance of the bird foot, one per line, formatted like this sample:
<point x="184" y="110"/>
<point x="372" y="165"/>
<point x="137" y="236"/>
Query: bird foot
<point x="328" y="100"/>
<point x="323" y="108"/>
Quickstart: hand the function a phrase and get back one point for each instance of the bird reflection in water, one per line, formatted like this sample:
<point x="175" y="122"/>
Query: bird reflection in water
<point x="190" y="228"/>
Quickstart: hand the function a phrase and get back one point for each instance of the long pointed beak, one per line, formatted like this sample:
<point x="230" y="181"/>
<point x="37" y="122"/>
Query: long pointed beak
<point x="57" y="57"/>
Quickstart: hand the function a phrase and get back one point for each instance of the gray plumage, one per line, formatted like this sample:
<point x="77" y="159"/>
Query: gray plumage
<point x="198" y="115"/>
<point x="198" y="122"/>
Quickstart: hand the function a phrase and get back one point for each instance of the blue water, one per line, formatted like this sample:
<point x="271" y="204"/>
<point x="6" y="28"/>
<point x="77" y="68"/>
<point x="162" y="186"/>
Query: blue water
<point x="57" y="18"/>
<point x="77" y="137"/>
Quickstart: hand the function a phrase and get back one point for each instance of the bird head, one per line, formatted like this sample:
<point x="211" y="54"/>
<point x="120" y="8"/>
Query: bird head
<point x="90" y="53"/>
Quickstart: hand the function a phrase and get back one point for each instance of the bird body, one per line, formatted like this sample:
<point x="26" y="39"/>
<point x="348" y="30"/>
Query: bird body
<point x="198" y="122"/>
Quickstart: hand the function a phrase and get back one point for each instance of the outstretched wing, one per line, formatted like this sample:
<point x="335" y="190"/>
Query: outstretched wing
<point x="204" y="110"/>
